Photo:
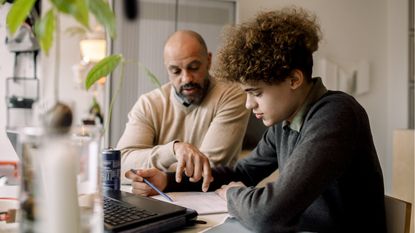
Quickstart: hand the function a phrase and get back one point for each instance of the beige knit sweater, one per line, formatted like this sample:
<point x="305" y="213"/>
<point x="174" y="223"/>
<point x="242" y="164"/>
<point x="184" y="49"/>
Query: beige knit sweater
<point x="216" y="126"/>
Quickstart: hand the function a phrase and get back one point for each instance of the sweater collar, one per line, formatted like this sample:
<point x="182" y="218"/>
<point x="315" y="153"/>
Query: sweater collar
<point x="189" y="107"/>
<point x="318" y="89"/>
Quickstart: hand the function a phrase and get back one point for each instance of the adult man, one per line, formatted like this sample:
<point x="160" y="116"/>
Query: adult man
<point x="329" y="179"/>
<point x="190" y="123"/>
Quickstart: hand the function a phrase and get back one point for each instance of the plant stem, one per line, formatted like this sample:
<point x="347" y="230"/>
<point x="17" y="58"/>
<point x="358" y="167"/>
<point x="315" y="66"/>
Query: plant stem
<point x="114" y="96"/>
<point x="57" y="61"/>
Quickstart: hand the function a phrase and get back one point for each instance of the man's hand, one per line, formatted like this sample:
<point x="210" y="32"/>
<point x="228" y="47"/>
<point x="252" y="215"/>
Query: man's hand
<point x="155" y="176"/>
<point x="194" y="164"/>
<point x="224" y="188"/>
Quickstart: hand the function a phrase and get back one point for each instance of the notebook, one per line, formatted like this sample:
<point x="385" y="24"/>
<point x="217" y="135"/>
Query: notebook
<point x="126" y="212"/>
<point x="203" y="202"/>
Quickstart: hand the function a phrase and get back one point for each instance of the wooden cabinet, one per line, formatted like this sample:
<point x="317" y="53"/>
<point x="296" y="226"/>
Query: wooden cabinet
<point x="403" y="167"/>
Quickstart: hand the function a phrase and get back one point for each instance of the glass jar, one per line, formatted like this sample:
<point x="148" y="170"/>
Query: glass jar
<point x="60" y="188"/>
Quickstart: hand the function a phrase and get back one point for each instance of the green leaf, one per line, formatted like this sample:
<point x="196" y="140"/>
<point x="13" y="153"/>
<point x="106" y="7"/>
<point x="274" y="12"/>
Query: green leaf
<point x="103" y="13"/>
<point x="95" y="106"/>
<point x="81" y="13"/>
<point x="76" y="8"/>
<point x="64" y="6"/>
<point x="44" y="30"/>
<point x="18" y="14"/>
<point x="152" y="77"/>
<point x="2" y="2"/>
<point x="102" y="69"/>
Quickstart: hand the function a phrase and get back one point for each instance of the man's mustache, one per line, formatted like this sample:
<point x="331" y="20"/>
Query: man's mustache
<point x="190" y="85"/>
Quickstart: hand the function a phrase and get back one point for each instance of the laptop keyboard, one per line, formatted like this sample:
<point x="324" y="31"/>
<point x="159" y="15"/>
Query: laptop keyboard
<point x="116" y="214"/>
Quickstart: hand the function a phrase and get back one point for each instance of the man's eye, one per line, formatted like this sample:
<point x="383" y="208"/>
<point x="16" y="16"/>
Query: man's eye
<point x="256" y="94"/>
<point x="175" y="71"/>
<point x="193" y="68"/>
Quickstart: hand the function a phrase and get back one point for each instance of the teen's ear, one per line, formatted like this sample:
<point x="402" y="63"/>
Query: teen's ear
<point x="296" y="79"/>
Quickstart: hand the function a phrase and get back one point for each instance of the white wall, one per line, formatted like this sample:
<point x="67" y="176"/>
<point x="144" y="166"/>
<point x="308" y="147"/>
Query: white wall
<point x="397" y="61"/>
<point x="6" y="70"/>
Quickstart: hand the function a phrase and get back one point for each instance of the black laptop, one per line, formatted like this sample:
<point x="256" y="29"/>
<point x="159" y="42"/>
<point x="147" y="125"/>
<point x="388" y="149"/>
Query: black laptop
<point x="126" y="212"/>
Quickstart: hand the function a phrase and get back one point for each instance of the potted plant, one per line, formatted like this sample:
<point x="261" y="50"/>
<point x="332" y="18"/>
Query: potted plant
<point x="57" y="117"/>
<point x="48" y="25"/>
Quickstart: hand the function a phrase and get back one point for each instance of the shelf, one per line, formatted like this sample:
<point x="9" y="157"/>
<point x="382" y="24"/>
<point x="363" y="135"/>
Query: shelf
<point x="20" y="102"/>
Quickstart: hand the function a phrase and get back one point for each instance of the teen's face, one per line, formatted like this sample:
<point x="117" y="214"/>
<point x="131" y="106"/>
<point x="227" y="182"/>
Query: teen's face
<point x="188" y="70"/>
<point x="271" y="103"/>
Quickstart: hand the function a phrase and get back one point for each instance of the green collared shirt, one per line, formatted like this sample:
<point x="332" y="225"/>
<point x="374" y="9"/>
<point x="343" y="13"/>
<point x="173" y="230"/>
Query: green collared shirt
<point x="316" y="92"/>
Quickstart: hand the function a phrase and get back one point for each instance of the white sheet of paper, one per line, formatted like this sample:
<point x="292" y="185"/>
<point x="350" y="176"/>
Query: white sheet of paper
<point x="9" y="191"/>
<point x="203" y="203"/>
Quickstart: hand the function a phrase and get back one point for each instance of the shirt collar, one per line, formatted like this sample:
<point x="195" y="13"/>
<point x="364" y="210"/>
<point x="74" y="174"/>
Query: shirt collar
<point x="180" y="99"/>
<point x="317" y="90"/>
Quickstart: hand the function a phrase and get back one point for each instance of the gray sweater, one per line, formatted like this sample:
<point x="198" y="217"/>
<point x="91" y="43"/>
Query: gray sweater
<point x="330" y="178"/>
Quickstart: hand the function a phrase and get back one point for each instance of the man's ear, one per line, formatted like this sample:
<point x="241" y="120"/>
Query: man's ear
<point x="296" y="79"/>
<point x="209" y="60"/>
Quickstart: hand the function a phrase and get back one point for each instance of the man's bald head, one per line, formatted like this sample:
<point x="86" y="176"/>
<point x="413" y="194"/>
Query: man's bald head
<point x="184" y="39"/>
<point x="188" y="61"/>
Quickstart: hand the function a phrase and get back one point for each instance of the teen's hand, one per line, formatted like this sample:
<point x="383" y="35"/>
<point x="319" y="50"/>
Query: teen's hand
<point x="222" y="191"/>
<point x="194" y="164"/>
<point x="155" y="176"/>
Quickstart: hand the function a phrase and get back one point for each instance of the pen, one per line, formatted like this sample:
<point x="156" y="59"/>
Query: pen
<point x="154" y="187"/>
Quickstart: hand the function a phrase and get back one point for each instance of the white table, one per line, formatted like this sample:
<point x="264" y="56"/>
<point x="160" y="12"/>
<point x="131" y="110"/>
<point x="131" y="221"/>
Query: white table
<point x="210" y="219"/>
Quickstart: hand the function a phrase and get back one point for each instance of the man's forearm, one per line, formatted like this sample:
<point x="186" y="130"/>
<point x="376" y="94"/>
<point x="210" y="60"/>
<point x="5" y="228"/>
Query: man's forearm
<point x="160" y="157"/>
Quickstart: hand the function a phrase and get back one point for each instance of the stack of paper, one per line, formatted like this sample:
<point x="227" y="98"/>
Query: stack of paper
<point x="203" y="203"/>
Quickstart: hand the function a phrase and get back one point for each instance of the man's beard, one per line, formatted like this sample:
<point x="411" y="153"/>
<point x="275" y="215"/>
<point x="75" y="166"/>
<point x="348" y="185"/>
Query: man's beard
<point x="197" y="97"/>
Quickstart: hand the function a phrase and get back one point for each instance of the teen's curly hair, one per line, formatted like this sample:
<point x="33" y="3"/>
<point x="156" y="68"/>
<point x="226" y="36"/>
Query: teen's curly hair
<point x="269" y="47"/>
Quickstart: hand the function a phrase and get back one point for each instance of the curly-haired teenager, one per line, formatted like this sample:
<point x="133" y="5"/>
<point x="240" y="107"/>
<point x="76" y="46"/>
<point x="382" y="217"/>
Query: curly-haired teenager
<point x="329" y="179"/>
